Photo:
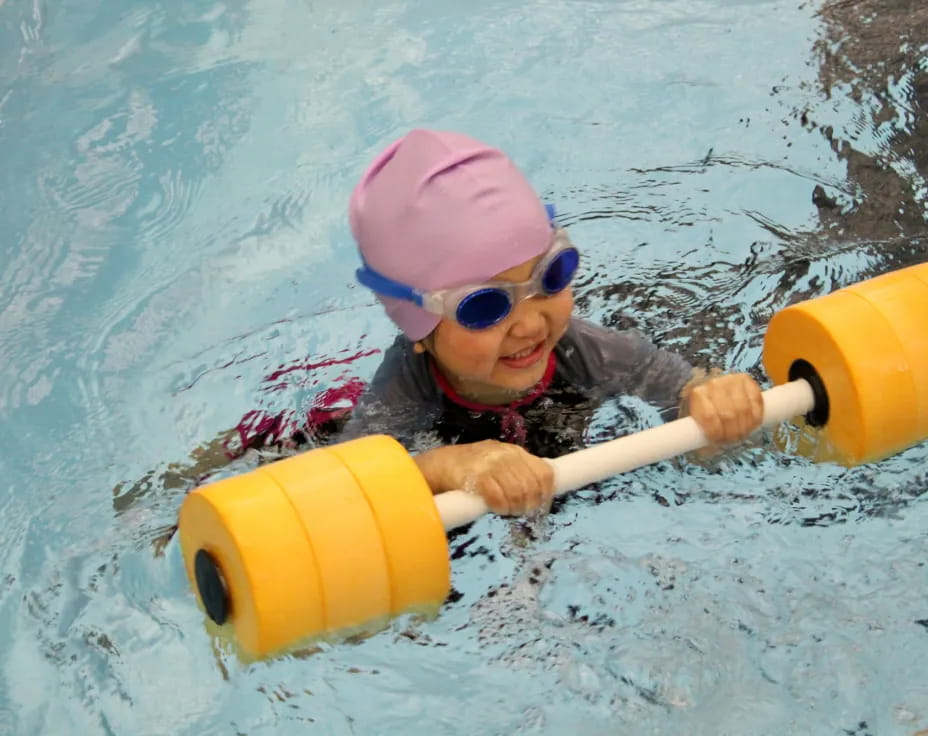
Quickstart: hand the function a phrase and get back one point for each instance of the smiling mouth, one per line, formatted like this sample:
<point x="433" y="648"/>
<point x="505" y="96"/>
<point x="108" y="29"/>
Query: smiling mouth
<point x="524" y="358"/>
<point x="522" y="353"/>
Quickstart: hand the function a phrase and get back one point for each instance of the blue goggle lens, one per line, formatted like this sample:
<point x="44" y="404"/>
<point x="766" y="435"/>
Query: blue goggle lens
<point x="560" y="271"/>
<point x="485" y="307"/>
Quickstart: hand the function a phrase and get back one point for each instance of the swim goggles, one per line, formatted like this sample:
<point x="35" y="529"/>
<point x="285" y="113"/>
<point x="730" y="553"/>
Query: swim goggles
<point x="479" y="306"/>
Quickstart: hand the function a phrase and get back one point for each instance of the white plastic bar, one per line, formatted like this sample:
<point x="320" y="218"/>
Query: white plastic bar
<point x="596" y="463"/>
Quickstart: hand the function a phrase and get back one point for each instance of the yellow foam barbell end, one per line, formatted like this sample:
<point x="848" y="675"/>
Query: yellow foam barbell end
<point x="343" y="536"/>
<point x="411" y="529"/>
<point x="249" y="561"/>
<point x="868" y="344"/>
<point x="327" y="541"/>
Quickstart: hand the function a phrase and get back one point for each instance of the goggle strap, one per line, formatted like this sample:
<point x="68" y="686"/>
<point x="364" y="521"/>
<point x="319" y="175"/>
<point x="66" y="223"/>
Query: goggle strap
<point x="384" y="286"/>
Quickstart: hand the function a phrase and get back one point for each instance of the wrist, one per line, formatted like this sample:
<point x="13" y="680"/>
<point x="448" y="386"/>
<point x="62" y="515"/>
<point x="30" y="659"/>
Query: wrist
<point x="431" y="464"/>
<point x="699" y="377"/>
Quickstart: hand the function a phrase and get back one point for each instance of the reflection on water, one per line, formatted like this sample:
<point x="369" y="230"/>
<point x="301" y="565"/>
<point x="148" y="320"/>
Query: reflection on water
<point x="874" y="55"/>
<point x="173" y="233"/>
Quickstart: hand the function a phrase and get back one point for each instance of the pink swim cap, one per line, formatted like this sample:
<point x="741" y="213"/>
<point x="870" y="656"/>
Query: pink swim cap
<point x="437" y="210"/>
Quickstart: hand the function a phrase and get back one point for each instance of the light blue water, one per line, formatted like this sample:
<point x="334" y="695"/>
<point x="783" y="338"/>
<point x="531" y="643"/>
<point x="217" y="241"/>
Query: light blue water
<point x="173" y="185"/>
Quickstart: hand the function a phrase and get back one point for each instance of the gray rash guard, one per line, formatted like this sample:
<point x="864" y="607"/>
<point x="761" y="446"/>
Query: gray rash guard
<point x="591" y="364"/>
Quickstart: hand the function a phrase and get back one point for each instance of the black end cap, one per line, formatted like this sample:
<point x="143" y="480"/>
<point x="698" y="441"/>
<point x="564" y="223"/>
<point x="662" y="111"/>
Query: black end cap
<point x="818" y="417"/>
<point x="211" y="586"/>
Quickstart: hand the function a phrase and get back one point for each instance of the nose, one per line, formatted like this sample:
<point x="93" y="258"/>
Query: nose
<point x="528" y="317"/>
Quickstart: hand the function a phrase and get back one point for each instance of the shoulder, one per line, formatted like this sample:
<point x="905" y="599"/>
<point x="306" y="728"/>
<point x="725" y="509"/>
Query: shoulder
<point x="619" y="361"/>
<point x="400" y="400"/>
<point x="588" y="349"/>
<point x="403" y="376"/>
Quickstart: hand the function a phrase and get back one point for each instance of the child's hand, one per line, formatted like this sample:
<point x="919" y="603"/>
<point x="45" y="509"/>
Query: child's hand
<point x="727" y="408"/>
<point x="509" y="479"/>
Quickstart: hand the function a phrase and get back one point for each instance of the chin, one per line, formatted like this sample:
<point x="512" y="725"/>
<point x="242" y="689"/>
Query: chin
<point x="526" y="382"/>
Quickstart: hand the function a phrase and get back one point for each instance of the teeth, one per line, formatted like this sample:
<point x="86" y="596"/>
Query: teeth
<point x="522" y="353"/>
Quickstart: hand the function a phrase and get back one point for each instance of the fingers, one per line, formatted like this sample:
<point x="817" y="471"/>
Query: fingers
<point x="544" y="482"/>
<point x="524" y="484"/>
<point x="728" y="408"/>
<point x="703" y="410"/>
<point x="538" y="478"/>
<point x="495" y="496"/>
<point x="510" y="480"/>
<point x="755" y="402"/>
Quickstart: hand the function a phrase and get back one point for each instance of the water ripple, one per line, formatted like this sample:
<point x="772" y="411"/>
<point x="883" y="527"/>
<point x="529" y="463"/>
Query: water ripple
<point x="174" y="251"/>
<point x="166" y="205"/>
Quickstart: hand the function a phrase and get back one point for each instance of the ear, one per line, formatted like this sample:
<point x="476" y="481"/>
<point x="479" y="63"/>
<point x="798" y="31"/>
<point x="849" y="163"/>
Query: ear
<point x="419" y="346"/>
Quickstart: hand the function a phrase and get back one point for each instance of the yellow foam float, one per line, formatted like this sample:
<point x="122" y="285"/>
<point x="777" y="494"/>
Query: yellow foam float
<point x="345" y="537"/>
<point x="332" y="540"/>
<point x="868" y="345"/>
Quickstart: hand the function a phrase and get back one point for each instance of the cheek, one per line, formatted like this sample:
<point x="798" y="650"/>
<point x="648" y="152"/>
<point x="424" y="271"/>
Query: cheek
<point x="561" y="309"/>
<point x="467" y="352"/>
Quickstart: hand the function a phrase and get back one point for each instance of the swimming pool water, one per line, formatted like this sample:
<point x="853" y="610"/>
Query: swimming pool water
<point x="172" y="231"/>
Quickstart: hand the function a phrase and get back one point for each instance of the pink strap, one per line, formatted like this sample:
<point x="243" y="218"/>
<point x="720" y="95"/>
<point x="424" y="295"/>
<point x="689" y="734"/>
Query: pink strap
<point x="512" y="422"/>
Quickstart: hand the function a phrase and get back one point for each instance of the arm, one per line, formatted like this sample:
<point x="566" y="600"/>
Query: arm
<point x="727" y="407"/>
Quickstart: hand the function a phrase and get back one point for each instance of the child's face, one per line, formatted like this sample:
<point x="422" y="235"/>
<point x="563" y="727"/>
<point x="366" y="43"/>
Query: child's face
<point x="497" y="364"/>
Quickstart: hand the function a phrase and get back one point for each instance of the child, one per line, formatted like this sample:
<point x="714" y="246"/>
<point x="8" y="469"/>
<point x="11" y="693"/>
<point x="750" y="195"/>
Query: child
<point x="468" y="264"/>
